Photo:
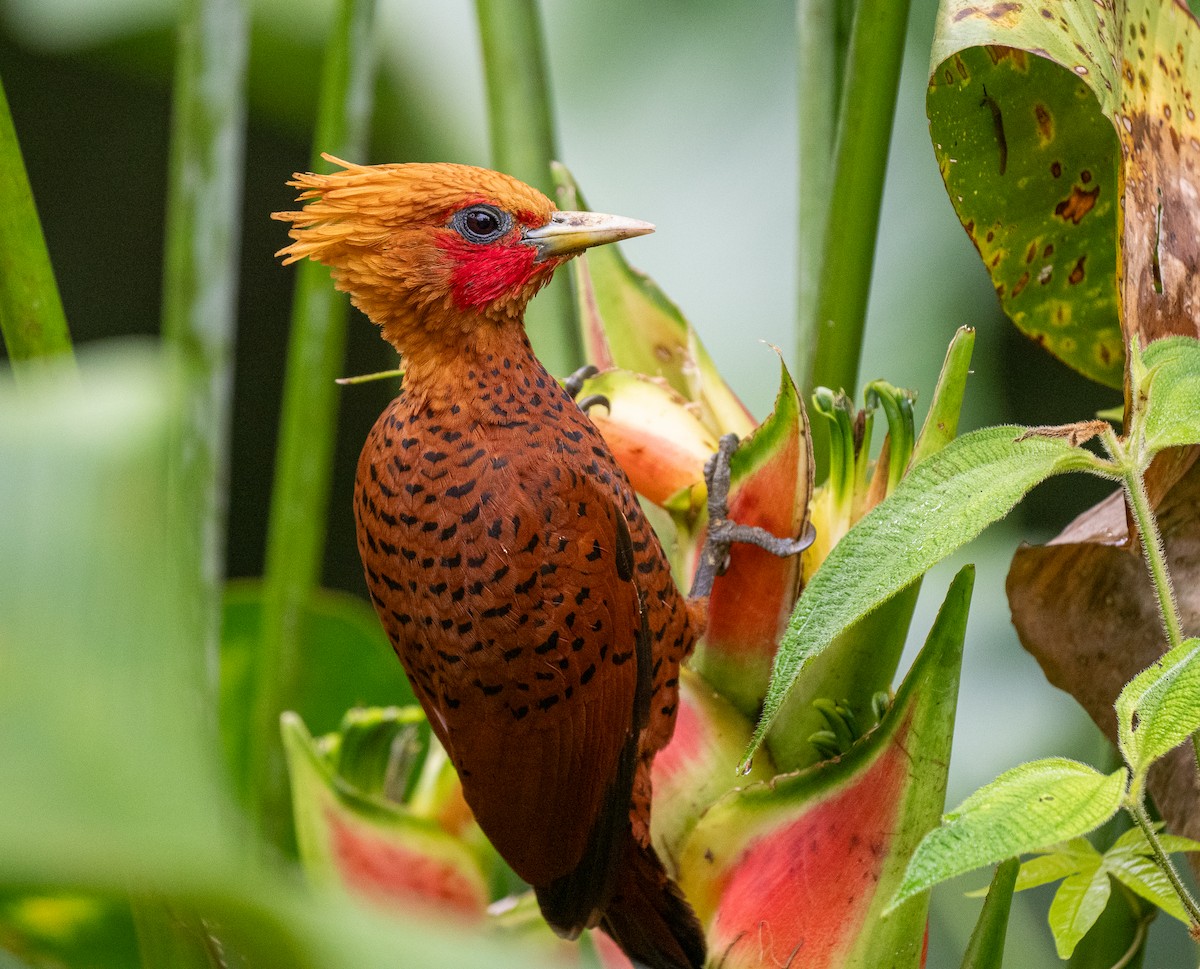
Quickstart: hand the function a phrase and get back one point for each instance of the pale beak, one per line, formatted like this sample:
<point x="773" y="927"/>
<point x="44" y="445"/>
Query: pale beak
<point x="568" y="233"/>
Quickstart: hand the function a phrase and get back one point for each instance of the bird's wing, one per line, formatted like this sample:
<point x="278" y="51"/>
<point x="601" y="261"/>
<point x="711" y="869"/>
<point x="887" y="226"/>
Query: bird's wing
<point x="547" y="748"/>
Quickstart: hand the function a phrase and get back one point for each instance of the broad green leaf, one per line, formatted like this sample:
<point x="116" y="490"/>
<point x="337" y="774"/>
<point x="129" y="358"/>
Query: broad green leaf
<point x="1068" y="145"/>
<point x="941" y="423"/>
<point x="68" y="929"/>
<point x="986" y="948"/>
<point x="1077" y="904"/>
<point x="102" y="698"/>
<point x="748" y="609"/>
<point x="1160" y="707"/>
<point x="811" y="858"/>
<point x="1067" y="859"/>
<point x="1173" y="405"/>
<point x="1024" y="809"/>
<point x="942" y="504"/>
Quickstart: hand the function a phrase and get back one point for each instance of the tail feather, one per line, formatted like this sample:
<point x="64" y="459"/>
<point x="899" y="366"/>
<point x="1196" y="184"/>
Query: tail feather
<point x="649" y="918"/>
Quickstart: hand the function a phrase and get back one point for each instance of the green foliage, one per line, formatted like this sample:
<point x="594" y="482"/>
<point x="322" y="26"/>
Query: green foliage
<point x="1172" y="384"/>
<point x="942" y="504"/>
<point x="1024" y="809"/>
<point x="1160" y="707"/>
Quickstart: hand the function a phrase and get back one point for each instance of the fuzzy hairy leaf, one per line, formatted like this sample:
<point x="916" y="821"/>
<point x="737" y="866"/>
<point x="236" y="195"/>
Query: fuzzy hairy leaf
<point x="1076" y="905"/>
<point x="1024" y="809"/>
<point x="942" y="504"/>
<point x="1160" y="707"/>
<point x="1173" y="407"/>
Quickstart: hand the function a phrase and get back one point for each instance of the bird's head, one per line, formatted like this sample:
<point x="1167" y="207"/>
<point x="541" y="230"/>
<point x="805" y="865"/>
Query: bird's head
<point x="425" y="249"/>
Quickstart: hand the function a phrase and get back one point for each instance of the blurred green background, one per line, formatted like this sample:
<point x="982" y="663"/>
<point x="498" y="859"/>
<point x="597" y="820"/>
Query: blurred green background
<point x="681" y="113"/>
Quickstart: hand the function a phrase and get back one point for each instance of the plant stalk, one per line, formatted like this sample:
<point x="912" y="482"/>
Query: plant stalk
<point x="199" y="290"/>
<point x="521" y="125"/>
<point x="300" y="497"/>
<point x="860" y="161"/>
<point x="1137" y="810"/>
<point x="1156" y="562"/>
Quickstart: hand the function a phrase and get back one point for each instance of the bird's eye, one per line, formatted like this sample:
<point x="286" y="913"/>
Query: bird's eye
<point x="481" y="223"/>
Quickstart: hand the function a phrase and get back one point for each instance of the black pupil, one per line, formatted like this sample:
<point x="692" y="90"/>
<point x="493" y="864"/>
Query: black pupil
<point x="482" y="222"/>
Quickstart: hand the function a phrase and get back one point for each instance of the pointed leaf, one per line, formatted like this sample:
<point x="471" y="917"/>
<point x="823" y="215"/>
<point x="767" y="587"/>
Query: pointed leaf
<point x="1143" y="876"/>
<point x="941" y="505"/>
<point x="807" y="862"/>
<point x="1024" y="809"/>
<point x="1077" y="904"/>
<point x="941" y="423"/>
<point x="986" y="948"/>
<point x="748" y="610"/>
<point x="1160" y="707"/>
<point x="376" y="851"/>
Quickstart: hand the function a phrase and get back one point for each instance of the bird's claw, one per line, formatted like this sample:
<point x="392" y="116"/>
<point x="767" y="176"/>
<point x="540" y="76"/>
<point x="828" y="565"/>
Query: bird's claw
<point x="574" y="383"/>
<point x="723" y="533"/>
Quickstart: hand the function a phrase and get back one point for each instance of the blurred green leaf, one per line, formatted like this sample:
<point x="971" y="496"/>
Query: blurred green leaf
<point x="1160" y="707"/>
<point x="1066" y="859"/>
<point x="943" y="503"/>
<point x="67" y="929"/>
<point x="1024" y="809"/>
<point x="31" y="315"/>
<point x="345" y="661"/>
<point x="986" y="948"/>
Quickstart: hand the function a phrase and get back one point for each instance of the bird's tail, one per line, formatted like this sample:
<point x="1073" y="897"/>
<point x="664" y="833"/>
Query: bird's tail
<point x="648" y="916"/>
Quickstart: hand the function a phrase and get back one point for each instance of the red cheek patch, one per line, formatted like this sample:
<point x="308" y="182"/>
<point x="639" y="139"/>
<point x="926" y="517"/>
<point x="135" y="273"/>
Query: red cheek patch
<point x="480" y="275"/>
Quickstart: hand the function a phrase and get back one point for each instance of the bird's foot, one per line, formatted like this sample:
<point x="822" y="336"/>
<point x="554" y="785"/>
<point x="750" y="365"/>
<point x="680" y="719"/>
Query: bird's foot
<point x="574" y="384"/>
<point x="723" y="533"/>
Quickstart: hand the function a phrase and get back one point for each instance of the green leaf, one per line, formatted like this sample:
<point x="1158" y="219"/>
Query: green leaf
<point x="1071" y="169"/>
<point x="1129" y="861"/>
<point x="1076" y="906"/>
<point x="1173" y="392"/>
<point x="1160" y="707"/>
<point x="1067" y="859"/>
<point x="31" y="315"/>
<point x="942" y="504"/>
<point x="1024" y="809"/>
<point x="986" y="948"/>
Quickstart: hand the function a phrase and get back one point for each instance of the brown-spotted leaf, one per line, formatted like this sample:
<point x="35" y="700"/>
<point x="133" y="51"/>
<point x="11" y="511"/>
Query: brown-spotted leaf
<point x="1084" y="607"/>
<point x="1067" y="138"/>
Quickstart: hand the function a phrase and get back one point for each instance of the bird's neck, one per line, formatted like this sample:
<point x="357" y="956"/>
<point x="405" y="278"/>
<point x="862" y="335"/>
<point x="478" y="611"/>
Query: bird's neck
<point x="473" y="359"/>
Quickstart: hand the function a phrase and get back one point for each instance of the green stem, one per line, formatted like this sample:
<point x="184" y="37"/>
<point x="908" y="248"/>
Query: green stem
<point x="200" y="286"/>
<point x="1138" y="811"/>
<point x="521" y="125"/>
<point x="1156" y="563"/>
<point x="31" y="314"/>
<point x="864" y="134"/>
<point x="819" y="96"/>
<point x="300" y="498"/>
